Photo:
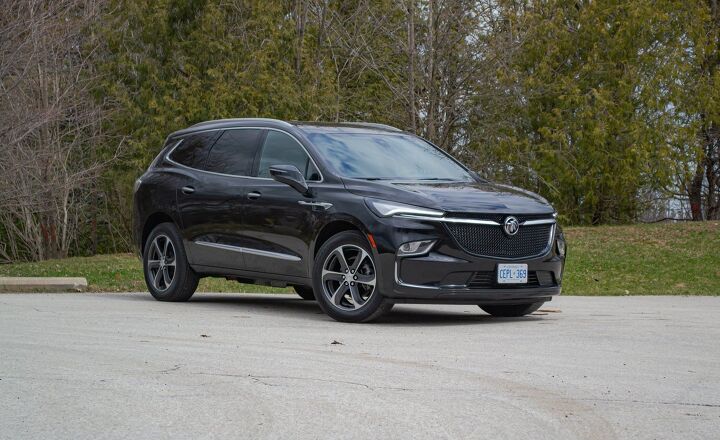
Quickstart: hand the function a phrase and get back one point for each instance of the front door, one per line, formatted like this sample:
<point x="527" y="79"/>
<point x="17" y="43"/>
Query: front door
<point x="277" y="228"/>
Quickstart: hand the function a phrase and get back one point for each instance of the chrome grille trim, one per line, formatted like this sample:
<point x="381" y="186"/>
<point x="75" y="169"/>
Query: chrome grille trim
<point x="474" y="221"/>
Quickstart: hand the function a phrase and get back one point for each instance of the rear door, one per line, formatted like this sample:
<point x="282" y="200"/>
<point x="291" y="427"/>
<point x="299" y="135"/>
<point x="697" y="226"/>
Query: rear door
<point x="212" y="210"/>
<point x="278" y="229"/>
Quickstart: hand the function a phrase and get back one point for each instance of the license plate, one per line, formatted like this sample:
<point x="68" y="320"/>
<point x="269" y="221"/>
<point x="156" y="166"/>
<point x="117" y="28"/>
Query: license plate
<point x="512" y="274"/>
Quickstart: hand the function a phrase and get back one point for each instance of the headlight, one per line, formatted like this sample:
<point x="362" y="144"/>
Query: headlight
<point x="383" y="208"/>
<point x="420" y="247"/>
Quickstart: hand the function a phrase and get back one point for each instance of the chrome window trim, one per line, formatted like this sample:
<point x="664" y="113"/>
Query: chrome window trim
<point x="167" y="156"/>
<point x="245" y="250"/>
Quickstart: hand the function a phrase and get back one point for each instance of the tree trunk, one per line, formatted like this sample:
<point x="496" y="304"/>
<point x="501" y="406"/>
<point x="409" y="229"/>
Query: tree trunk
<point x="430" y="86"/>
<point x="695" y="191"/>
<point x="300" y="18"/>
<point x="411" y="65"/>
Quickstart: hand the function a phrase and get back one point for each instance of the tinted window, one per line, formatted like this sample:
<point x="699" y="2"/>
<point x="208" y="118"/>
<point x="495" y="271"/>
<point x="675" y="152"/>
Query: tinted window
<point x="193" y="149"/>
<point x="234" y="152"/>
<point x="387" y="156"/>
<point x="281" y="149"/>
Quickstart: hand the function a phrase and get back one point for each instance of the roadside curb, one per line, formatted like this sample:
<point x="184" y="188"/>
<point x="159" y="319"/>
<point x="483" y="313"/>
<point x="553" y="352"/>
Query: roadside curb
<point x="42" y="284"/>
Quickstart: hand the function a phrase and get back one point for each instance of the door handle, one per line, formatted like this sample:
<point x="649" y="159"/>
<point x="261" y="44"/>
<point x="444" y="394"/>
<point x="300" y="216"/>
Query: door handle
<point x="254" y="195"/>
<point x="187" y="189"/>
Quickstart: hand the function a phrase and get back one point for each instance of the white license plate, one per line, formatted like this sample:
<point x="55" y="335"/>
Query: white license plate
<point x="512" y="274"/>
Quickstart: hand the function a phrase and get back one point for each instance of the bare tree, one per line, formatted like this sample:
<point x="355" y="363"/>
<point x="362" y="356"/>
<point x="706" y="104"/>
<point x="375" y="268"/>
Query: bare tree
<point x="49" y="125"/>
<point x="430" y="55"/>
<point x="703" y="187"/>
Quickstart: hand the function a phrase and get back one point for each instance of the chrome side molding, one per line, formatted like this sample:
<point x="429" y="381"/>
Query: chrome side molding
<point x="251" y="251"/>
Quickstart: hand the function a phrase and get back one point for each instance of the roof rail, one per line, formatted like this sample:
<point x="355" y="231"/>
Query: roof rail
<point x="373" y="124"/>
<point x="216" y="121"/>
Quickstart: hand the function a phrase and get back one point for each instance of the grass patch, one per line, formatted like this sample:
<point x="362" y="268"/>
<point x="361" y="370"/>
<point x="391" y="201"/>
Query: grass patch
<point x="655" y="259"/>
<point x="658" y="259"/>
<point x="116" y="273"/>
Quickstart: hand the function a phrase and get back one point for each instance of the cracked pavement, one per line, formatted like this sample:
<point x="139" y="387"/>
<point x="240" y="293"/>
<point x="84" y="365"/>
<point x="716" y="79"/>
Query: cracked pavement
<point x="273" y="366"/>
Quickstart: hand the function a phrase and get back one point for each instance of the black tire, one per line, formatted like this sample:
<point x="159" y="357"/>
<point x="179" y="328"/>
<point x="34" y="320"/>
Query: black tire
<point x="305" y="292"/>
<point x="512" y="310"/>
<point x="183" y="280"/>
<point x="374" y="306"/>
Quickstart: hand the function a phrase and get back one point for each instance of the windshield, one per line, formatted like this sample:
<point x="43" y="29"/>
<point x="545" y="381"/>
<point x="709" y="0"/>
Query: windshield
<point x="386" y="157"/>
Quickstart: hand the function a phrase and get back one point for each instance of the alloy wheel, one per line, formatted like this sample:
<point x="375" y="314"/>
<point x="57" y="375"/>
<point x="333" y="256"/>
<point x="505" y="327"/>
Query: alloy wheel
<point x="161" y="262"/>
<point x="348" y="277"/>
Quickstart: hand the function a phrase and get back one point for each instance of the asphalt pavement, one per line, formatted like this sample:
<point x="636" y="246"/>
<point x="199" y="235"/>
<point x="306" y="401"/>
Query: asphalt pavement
<point x="90" y="366"/>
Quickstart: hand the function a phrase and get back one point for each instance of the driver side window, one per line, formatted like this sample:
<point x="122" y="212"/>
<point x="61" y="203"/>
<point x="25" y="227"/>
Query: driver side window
<point x="281" y="149"/>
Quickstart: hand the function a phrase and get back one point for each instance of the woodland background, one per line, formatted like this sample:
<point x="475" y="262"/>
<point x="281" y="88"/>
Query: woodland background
<point x="610" y="109"/>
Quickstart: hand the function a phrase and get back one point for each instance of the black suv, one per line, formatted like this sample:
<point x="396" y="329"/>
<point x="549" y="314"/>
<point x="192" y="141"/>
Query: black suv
<point x="356" y="216"/>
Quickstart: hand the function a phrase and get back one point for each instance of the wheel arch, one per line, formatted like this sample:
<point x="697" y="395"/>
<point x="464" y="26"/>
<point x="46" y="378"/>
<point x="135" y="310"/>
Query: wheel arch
<point x="150" y="223"/>
<point x="334" y="227"/>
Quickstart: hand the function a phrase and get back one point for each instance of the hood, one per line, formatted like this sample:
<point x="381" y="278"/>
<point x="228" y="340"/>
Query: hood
<point x="466" y="197"/>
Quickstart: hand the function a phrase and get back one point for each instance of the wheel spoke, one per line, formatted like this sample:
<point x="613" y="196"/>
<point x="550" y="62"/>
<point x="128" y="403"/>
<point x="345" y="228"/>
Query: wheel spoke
<point x="166" y="277"/>
<point x="165" y="249"/>
<point x="359" y="260"/>
<point x="357" y="299"/>
<point x="152" y="264"/>
<point x="338" y="253"/>
<point x="339" y="293"/>
<point x="156" y="279"/>
<point x="157" y="248"/>
<point x="329" y="275"/>
<point x="365" y="279"/>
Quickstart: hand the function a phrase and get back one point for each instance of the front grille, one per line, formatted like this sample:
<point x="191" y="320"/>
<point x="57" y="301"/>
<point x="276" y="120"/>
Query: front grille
<point x="488" y="280"/>
<point x="491" y="241"/>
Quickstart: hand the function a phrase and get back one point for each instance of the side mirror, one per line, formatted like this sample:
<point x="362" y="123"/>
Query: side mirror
<point x="290" y="175"/>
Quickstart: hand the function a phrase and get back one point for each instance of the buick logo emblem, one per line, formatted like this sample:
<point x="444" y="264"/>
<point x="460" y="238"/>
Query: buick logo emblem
<point x="511" y="226"/>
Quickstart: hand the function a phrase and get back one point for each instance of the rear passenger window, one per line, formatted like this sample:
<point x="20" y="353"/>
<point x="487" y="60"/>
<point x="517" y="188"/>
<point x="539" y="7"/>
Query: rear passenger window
<point x="281" y="149"/>
<point x="193" y="150"/>
<point x="234" y="152"/>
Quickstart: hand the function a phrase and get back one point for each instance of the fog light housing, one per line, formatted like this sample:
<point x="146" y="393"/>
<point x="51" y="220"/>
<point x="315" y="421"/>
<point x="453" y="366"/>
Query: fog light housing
<point x="419" y="247"/>
<point x="560" y="243"/>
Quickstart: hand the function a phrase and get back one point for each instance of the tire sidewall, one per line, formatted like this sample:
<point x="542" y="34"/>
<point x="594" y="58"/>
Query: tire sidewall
<point x="181" y="263"/>
<point x="376" y="300"/>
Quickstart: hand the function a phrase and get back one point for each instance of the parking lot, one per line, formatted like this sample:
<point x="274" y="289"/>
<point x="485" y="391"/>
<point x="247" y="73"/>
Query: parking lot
<point x="273" y="366"/>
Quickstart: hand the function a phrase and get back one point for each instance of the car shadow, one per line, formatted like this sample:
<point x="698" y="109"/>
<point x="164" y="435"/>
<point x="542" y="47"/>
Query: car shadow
<point x="400" y="315"/>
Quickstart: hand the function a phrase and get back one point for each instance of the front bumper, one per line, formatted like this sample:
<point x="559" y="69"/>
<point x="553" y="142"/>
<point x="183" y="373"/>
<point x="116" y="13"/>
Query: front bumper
<point x="449" y="274"/>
